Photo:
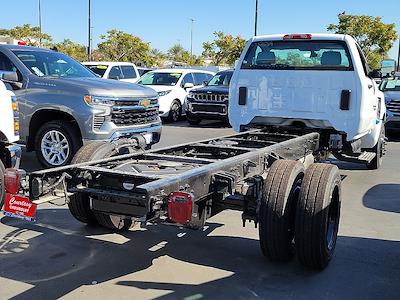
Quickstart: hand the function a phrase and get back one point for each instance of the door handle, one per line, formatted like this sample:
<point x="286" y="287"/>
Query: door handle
<point x="370" y="86"/>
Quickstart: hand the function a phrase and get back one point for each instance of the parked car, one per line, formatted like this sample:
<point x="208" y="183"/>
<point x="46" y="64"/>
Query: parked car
<point x="391" y="88"/>
<point x="211" y="101"/>
<point x="173" y="86"/>
<point x="123" y="71"/>
<point x="63" y="105"/>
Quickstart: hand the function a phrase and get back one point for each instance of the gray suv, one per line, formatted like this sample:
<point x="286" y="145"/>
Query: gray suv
<point x="62" y="104"/>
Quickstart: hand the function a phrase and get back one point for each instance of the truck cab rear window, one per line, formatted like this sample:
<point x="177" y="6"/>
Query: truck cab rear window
<point x="298" y="55"/>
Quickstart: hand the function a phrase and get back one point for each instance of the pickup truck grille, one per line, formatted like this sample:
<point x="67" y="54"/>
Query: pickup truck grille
<point x="210" y="97"/>
<point x="394" y="106"/>
<point x="134" y="117"/>
<point x="133" y="102"/>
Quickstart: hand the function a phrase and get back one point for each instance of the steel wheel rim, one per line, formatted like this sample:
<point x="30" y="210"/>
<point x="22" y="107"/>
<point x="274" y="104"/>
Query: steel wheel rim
<point x="55" y="148"/>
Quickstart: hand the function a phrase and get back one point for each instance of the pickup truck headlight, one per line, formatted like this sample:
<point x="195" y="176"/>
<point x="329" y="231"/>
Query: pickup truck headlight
<point x="164" y="93"/>
<point x="99" y="100"/>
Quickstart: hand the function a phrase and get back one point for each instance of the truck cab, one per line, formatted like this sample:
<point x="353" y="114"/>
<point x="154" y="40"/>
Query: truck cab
<point x="317" y="82"/>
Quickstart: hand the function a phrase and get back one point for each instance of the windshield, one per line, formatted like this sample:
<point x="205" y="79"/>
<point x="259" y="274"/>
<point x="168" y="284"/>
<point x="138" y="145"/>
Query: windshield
<point x="298" y="55"/>
<point x="221" y="79"/>
<point x="160" y="78"/>
<point x="52" y="64"/>
<point x="98" y="69"/>
<point x="390" y="85"/>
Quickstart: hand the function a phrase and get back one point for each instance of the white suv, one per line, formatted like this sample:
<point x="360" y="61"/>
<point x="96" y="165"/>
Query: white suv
<point x="173" y="86"/>
<point x="123" y="71"/>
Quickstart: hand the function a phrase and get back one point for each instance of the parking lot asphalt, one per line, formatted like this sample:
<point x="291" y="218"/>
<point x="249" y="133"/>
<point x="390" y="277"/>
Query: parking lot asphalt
<point x="58" y="257"/>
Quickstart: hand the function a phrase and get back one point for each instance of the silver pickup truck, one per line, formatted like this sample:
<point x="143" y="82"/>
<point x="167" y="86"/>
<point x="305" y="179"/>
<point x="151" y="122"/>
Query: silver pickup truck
<point x="63" y="105"/>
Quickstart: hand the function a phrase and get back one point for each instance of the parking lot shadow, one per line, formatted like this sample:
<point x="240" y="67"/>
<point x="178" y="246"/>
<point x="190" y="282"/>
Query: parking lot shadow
<point x="203" y="124"/>
<point x="64" y="256"/>
<point x="384" y="197"/>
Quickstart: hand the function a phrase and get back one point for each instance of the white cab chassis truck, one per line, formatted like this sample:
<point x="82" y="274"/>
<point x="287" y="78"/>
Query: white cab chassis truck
<point x="10" y="153"/>
<point x="293" y="99"/>
<point x="311" y="82"/>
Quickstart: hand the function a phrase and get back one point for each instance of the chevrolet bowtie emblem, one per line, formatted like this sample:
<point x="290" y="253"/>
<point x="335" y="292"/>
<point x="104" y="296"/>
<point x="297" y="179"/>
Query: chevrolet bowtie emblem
<point x="145" y="102"/>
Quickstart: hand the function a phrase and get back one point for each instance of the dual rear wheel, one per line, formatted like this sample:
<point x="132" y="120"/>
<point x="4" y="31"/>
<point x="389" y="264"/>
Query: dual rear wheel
<point x="79" y="204"/>
<point x="300" y="213"/>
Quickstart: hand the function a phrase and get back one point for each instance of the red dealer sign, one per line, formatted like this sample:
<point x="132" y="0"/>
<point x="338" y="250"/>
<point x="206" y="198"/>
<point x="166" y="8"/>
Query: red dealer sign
<point x="19" y="207"/>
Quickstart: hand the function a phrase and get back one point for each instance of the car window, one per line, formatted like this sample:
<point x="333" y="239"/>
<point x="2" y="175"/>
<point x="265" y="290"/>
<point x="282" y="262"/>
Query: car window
<point x="98" y="69"/>
<point x="298" y="55"/>
<point x="160" y="78"/>
<point x="187" y="79"/>
<point x="6" y="64"/>
<point x="51" y="64"/>
<point x="200" y="78"/>
<point x="128" y="72"/>
<point x="221" y="79"/>
<point x="115" y="73"/>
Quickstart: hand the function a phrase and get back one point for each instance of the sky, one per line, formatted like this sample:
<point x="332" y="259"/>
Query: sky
<point x="165" y="23"/>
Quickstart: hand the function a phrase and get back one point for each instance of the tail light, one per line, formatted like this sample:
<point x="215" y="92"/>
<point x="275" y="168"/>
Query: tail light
<point x="297" y="36"/>
<point x="12" y="180"/>
<point x="21" y="43"/>
<point x="180" y="206"/>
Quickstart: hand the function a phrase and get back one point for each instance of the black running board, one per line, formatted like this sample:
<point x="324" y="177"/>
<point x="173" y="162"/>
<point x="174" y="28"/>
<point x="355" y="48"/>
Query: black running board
<point x="364" y="158"/>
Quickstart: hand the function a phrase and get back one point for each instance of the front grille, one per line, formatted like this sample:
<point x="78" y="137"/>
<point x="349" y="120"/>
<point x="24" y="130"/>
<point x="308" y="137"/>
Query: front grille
<point x="133" y="102"/>
<point x="129" y="117"/>
<point x="394" y="107"/>
<point x="219" y="109"/>
<point x="98" y="122"/>
<point x="210" y="97"/>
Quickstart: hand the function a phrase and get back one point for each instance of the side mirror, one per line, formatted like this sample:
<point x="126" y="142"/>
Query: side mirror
<point x="188" y="85"/>
<point x="9" y="76"/>
<point x="375" y="74"/>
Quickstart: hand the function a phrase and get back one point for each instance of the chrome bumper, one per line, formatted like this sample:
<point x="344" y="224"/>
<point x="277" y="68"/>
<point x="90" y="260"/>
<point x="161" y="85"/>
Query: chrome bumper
<point x="15" y="153"/>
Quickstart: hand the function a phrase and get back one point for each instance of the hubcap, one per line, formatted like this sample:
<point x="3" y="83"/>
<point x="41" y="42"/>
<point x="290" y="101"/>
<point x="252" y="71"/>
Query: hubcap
<point x="55" y="148"/>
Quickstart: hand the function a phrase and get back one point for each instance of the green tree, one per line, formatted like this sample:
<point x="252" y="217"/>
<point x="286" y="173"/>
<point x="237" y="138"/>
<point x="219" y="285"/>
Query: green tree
<point x="178" y="54"/>
<point x="72" y="49"/>
<point x="225" y="49"/>
<point x="157" y="58"/>
<point x="121" y="46"/>
<point x="28" y="34"/>
<point x="374" y="37"/>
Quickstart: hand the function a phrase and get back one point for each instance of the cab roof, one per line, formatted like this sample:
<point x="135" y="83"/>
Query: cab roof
<point x="314" y="36"/>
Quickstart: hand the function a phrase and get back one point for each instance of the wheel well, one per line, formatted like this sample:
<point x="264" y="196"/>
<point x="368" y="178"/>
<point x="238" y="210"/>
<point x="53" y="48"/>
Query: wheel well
<point x="43" y="116"/>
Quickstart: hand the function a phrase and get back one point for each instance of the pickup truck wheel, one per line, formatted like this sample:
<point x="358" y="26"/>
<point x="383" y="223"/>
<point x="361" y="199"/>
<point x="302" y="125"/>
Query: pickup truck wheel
<point x="379" y="151"/>
<point x="277" y="209"/>
<point x="2" y="188"/>
<point x="317" y="215"/>
<point x="175" y="111"/>
<point x="193" y="121"/>
<point x="79" y="204"/>
<point x="56" y="143"/>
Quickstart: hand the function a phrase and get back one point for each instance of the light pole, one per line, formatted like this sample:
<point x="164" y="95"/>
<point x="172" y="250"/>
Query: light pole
<point x="191" y="37"/>
<point x="398" y="58"/>
<point x="40" y="24"/>
<point x="90" y="32"/>
<point x="256" y="18"/>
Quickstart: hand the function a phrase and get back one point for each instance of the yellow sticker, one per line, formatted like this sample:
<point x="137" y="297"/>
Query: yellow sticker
<point x="175" y="74"/>
<point x="102" y="67"/>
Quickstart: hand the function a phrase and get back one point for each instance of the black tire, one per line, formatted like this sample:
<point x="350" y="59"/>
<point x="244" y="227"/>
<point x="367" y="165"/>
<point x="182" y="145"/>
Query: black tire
<point x="277" y="209"/>
<point x="2" y="188"/>
<point x="378" y="150"/>
<point x="175" y="112"/>
<point x="79" y="204"/>
<point x="68" y="130"/>
<point x="318" y="215"/>
<point x="193" y="121"/>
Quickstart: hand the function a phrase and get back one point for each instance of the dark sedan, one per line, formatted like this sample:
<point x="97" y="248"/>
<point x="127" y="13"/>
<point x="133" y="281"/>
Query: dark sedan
<point x="391" y="89"/>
